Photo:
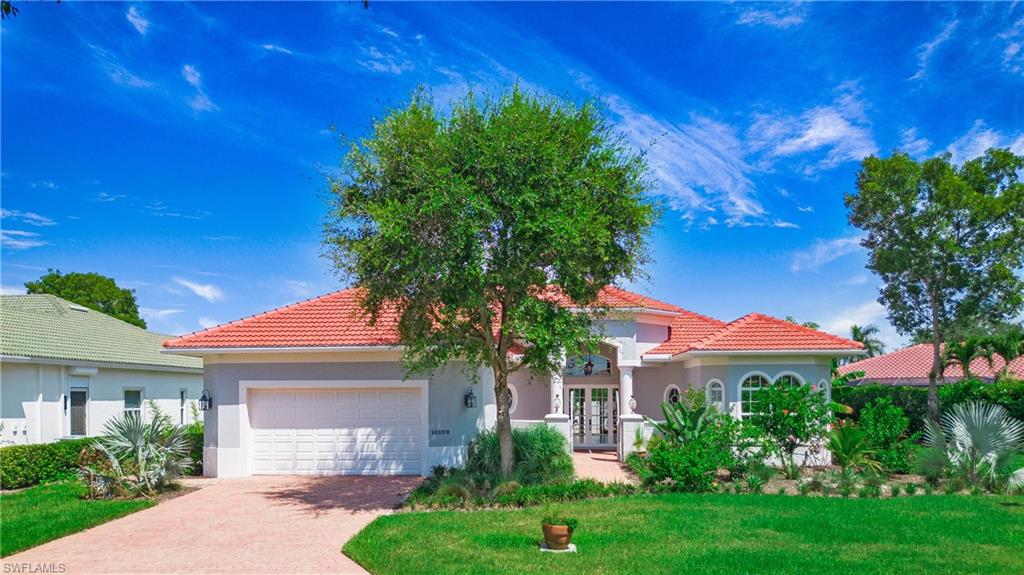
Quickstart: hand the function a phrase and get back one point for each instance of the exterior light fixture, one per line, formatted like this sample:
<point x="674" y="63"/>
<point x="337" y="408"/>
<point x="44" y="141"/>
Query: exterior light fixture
<point x="632" y="403"/>
<point x="557" y="407"/>
<point x="470" y="398"/>
<point x="205" y="401"/>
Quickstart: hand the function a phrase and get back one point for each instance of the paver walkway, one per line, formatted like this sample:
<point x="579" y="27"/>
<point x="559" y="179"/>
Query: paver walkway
<point x="249" y="525"/>
<point x="601" y="465"/>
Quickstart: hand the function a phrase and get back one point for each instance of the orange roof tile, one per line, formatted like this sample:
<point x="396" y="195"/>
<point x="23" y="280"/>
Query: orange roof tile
<point x="911" y="366"/>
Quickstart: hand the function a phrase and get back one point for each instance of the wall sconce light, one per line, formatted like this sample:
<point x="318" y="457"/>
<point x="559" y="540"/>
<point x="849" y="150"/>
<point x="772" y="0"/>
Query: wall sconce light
<point x="470" y="398"/>
<point x="632" y="404"/>
<point x="557" y="407"/>
<point x="205" y="401"/>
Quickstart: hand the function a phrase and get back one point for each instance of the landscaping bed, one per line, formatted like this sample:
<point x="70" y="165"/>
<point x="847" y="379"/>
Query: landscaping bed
<point x="711" y="533"/>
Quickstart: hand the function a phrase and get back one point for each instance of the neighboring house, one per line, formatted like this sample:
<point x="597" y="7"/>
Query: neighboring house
<point x="313" y="388"/>
<point x="911" y="366"/>
<point x="65" y="370"/>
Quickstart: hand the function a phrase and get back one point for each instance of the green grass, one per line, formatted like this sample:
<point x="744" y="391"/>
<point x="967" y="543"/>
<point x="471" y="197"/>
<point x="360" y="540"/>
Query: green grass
<point x="711" y="534"/>
<point x="46" y="512"/>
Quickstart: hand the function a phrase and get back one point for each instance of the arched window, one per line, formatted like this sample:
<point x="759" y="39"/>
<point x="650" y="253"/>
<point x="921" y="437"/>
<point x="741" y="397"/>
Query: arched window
<point x="588" y="365"/>
<point x="672" y="394"/>
<point x="825" y="387"/>
<point x="748" y="387"/>
<point x="513" y="397"/>
<point x="714" y="393"/>
<point x="789" y="379"/>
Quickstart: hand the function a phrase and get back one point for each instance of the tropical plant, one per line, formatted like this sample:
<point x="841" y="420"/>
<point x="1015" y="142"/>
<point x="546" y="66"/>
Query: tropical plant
<point x="945" y="241"/>
<point x="541" y="456"/>
<point x="965" y="350"/>
<point x="476" y="226"/>
<point x="868" y="337"/>
<point x="1009" y="345"/>
<point x="138" y="457"/>
<point x="978" y="441"/>
<point x="886" y="427"/>
<point x="851" y="449"/>
<point x="789" y="417"/>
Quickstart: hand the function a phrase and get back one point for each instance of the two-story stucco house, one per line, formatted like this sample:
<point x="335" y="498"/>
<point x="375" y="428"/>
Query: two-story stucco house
<point x="314" y="388"/>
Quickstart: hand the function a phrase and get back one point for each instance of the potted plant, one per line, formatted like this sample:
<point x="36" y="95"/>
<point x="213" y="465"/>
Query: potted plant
<point x="558" y="531"/>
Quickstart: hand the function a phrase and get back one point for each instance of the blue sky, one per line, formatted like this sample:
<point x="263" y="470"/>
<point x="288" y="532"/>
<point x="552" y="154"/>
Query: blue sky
<point x="178" y="147"/>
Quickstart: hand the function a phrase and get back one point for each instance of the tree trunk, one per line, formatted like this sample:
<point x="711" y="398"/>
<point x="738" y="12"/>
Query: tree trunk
<point x="506" y="448"/>
<point x="933" y="376"/>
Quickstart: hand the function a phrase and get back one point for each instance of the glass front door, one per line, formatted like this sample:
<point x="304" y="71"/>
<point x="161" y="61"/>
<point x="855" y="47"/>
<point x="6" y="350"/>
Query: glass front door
<point x="79" y="401"/>
<point x="594" y="413"/>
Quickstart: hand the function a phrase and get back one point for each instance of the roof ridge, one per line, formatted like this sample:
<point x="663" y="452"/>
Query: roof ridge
<point x="726" y="328"/>
<point x="263" y="314"/>
<point x="806" y="329"/>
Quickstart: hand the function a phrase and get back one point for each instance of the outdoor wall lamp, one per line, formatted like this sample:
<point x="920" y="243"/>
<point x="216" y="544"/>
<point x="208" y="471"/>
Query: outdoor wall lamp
<point x="557" y="407"/>
<point x="205" y="401"/>
<point x="632" y="404"/>
<point x="470" y="398"/>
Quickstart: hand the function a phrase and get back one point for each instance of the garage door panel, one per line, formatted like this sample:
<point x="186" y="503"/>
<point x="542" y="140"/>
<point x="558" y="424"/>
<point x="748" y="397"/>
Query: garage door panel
<point x="336" y="431"/>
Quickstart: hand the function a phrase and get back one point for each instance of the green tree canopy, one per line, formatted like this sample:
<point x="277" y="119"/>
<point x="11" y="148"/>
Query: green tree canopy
<point x="867" y="335"/>
<point x="464" y="221"/>
<point x="945" y="240"/>
<point x="93" y="291"/>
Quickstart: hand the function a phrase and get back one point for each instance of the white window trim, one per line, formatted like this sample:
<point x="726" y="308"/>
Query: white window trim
<point x="142" y="401"/>
<point x="515" y="398"/>
<point x="669" y="389"/>
<point x="739" y="390"/>
<point x="183" y="405"/>
<point x="720" y="405"/>
<point x="825" y="386"/>
<point x="793" y="374"/>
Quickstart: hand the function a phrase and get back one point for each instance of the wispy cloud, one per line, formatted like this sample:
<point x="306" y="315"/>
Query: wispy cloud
<point x="784" y="224"/>
<point x="159" y="208"/>
<point x="12" y="290"/>
<point x="925" y="51"/>
<point x="208" y="322"/>
<point x="840" y="131"/>
<point x="20" y="239"/>
<point x="156" y="314"/>
<point x="780" y="16"/>
<point x="299" y="288"/>
<point x="47" y="184"/>
<point x="913" y="144"/>
<point x="805" y="209"/>
<point x="30" y="218"/>
<point x="209" y="292"/>
<point x="200" y="101"/>
<point x="388" y="31"/>
<point x="823" y="252"/>
<point x="105" y="197"/>
<point x="111" y="65"/>
<point x="864" y="314"/>
<point x="138" y="21"/>
<point x="1013" y="51"/>
<point x="980" y="138"/>
<point x="388" y="63"/>
<point x="277" y="48"/>
<point x="215" y="238"/>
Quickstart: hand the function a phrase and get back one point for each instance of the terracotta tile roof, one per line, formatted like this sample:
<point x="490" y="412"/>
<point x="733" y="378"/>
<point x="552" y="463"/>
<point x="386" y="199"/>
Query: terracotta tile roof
<point x="614" y="298"/>
<point x="754" y="332"/>
<point x="687" y="329"/>
<point x="911" y="365"/>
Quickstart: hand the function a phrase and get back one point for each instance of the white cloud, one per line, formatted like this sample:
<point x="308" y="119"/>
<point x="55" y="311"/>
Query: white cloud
<point x="12" y="290"/>
<point x="1013" y="52"/>
<point x="48" y="184"/>
<point x="980" y="138"/>
<point x="31" y="218"/>
<point x="299" y="288"/>
<point x="912" y="144"/>
<point x="786" y="17"/>
<point x="20" y="240"/>
<point x="159" y="208"/>
<point x="207" y="322"/>
<point x="138" y="20"/>
<point x="209" y="292"/>
<point x="784" y="224"/>
<point x="105" y="197"/>
<point x="840" y="130"/>
<point x="856" y="280"/>
<point x="823" y="252"/>
<point x="806" y="209"/>
<point x="200" y="101"/>
<point x="154" y="314"/>
<point x="277" y="48"/>
<point x="117" y="72"/>
<point x="378" y="61"/>
<point x="389" y="31"/>
<point x="864" y="314"/>
<point x="925" y="51"/>
<point x="215" y="238"/>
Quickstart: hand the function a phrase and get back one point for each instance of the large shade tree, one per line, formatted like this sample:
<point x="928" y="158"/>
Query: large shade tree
<point x="946" y="241"/>
<point x="91" y="290"/>
<point x="466" y="222"/>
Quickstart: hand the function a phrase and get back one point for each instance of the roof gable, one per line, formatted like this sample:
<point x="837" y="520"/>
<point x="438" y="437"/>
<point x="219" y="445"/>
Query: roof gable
<point x="913" y="364"/>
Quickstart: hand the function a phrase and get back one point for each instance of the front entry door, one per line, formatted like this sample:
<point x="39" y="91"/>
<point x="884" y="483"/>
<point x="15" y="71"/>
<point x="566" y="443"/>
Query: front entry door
<point x="79" y="400"/>
<point x="594" y="414"/>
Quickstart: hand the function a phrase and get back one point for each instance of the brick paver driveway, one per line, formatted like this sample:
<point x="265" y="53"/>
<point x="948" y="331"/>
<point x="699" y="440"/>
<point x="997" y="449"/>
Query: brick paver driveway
<point x="250" y="525"/>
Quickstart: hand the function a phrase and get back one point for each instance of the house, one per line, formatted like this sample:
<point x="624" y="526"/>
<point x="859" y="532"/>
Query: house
<point x="911" y="366"/>
<point x="313" y="388"/>
<point x="65" y="370"/>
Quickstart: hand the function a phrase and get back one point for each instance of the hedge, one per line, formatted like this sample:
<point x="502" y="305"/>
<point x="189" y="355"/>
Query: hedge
<point x="28" y="465"/>
<point x="195" y="439"/>
<point x="914" y="400"/>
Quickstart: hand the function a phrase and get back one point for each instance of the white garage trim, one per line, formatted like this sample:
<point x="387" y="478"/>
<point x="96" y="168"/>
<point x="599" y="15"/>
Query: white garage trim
<point x="245" y="426"/>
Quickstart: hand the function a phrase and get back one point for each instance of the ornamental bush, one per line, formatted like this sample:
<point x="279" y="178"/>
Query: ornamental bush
<point x="887" y="427"/>
<point x="28" y="465"/>
<point x="540" y="453"/>
<point x="789" y="417"/>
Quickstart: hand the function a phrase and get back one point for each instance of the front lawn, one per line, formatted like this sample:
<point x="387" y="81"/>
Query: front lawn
<point x="46" y="512"/>
<point x="718" y="533"/>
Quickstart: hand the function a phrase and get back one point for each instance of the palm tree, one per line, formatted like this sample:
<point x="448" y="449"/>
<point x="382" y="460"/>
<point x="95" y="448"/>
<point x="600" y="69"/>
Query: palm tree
<point x="966" y="350"/>
<point x="1009" y="345"/>
<point x="868" y="337"/>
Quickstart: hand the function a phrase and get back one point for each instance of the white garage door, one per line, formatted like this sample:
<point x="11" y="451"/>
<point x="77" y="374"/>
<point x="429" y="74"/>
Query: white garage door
<point x="336" y="431"/>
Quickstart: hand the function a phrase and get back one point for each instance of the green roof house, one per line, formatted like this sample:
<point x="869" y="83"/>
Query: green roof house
<point x="65" y="370"/>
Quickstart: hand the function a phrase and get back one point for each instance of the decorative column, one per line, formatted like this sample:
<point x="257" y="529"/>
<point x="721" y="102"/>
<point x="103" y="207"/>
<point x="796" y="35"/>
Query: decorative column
<point x="629" y="422"/>
<point x="557" y="417"/>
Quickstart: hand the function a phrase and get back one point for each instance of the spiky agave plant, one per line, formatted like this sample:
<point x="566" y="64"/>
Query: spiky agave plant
<point x="143" y="457"/>
<point x="979" y="441"/>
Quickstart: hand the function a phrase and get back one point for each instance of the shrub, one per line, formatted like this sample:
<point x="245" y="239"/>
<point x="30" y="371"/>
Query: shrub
<point x="789" y="417"/>
<point x="194" y="432"/>
<point x="28" y="465"/>
<point x="694" y="443"/>
<point x="887" y="431"/>
<point x="910" y="488"/>
<point x="755" y="484"/>
<point x="850" y="448"/>
<point x="978" y="440"/>
<point x="540" y="453"/>
<point x="558" y="492"/>
<point x="894" y="490"/>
